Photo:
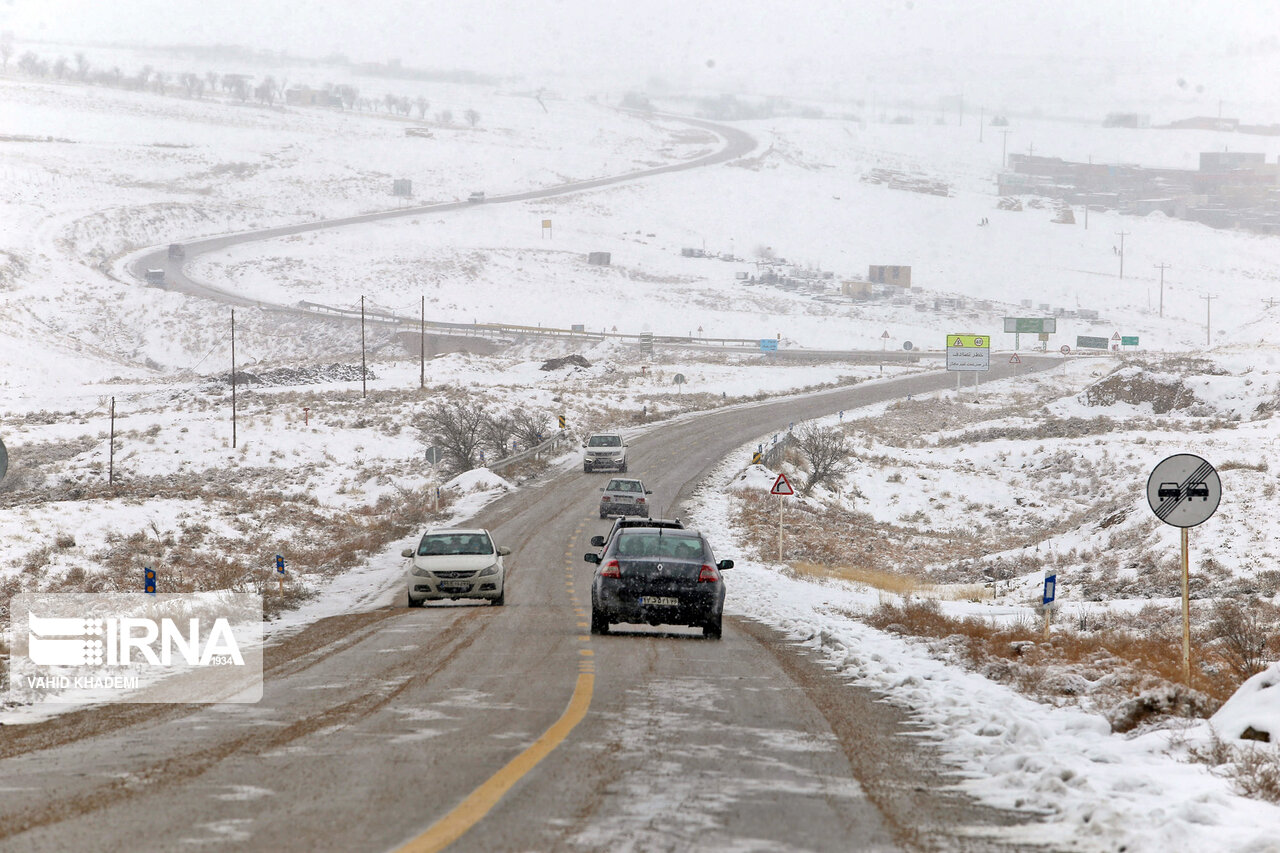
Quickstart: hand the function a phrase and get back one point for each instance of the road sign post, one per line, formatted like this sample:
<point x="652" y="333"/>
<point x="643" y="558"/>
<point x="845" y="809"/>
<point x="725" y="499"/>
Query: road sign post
<point x="1183" y="491"/>
<point x="968" y="353"/>
<point x="781" y="486"/>
<point x="1050" y="593"/>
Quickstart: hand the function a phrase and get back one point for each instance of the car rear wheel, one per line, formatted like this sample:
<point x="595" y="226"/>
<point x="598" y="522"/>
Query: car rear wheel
<point x="599" y="622"/>
<point x="711" y="628"/>
<point x="586" y="469"/>
<point x="623" y="469"/>
<point x="412" y="602"/>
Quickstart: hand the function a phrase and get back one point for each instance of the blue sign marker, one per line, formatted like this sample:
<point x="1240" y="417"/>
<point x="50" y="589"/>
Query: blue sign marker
<point x="768" y="344"/>
<point x="1050" y="589"/>
<point x="279" y="564"/>
<point x="149" y="581"/>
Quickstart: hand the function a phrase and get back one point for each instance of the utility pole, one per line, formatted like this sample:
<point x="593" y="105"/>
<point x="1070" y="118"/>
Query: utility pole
<point x="1162" y="267"/>
<point x="363" y="384"/>
<point x="1208" y="300"/>
<point x="982" y="116"/>
<point x="422" y="346"/>
<point x="1004" y="146"/>
<point x="233" y="377"/>
<point x="1122" y="234"/>
<point x="111" y="456"/>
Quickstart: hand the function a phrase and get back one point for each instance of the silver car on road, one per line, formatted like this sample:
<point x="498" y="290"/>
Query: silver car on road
<point x="456" y="563"/>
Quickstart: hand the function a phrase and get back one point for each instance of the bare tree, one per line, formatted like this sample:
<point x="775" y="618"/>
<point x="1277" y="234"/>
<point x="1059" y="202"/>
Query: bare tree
<point x="60" y="67"/>
<point x="266" y="91"/>
<point x="445" y="117"/>
<point x="499" y="430"/>
<point x="530" y="428"/>
<point x="827" y="451"/>
<point x="458" y="429"/>
<point x="82" y="66"/>
<point x="422" y="104"/>
<point x="6" y="49"/>
<point x="473" y="117"/>
<point x="348" y="94"/>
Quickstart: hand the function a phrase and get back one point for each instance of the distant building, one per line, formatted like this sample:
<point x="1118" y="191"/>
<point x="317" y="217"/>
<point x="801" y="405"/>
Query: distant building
<point x="898" y="276"/>
<point x="1134" y="120"/>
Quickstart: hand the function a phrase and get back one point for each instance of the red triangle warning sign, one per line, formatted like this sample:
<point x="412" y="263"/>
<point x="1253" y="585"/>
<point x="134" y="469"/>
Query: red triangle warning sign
<point x="782" y="486"/>
<point x="1015" y="360"/>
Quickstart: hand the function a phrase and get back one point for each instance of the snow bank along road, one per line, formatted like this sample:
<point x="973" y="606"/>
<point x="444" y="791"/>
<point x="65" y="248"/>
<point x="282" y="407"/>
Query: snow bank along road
<point x="375" y="727"/>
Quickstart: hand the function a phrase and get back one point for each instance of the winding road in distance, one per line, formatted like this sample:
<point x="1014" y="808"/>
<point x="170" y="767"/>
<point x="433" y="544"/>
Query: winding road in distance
<point x="736" y="144"/>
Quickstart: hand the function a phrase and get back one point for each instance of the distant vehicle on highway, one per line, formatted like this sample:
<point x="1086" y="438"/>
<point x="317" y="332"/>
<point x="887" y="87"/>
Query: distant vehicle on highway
<point x="626" y="522"/>
<point x="604" y="450"/>
<point x="476" y="198"/>
<point x="155" y="277"/>
<point x="1169" y="490"/>
<point x="658" y="576"/>
<point x="456" y="563"/>
<point x="176" y="252"/>
<point x="624" y="497"/>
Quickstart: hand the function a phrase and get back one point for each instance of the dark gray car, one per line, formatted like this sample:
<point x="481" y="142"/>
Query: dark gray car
<point x="659" y="576"/>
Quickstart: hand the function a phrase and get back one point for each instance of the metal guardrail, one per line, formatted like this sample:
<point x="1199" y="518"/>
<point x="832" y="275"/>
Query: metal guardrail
<point x="508" y="329"/>
<point x="772" y="455"/>
<point x="533" y="452"/>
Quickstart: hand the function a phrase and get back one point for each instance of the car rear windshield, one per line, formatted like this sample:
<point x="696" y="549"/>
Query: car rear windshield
<point x="604" y="441"/>
<point x="624" y="486"/>
<point x="667" y="547"/>
<point x="434" y="544"/>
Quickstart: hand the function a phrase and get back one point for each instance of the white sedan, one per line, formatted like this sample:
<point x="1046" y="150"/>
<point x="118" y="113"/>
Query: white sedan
<point x="452" y="563"/>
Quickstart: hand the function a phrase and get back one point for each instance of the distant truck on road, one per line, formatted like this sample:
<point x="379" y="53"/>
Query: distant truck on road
<point x="176" y="252"/>
<point x="155" y="277"/>
<point x="476" y="198"/>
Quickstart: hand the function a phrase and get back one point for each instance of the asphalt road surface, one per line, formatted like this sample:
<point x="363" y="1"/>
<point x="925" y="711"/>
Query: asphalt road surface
<point x="513" y="728"/>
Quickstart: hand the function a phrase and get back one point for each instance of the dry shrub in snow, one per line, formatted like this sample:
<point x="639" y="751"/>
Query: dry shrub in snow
<point x="826" y="450"/>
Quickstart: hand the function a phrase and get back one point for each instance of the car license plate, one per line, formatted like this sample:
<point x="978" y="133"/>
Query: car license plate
<point x="659" y="601"/>
<point x="454" y="586"/>
<point x="622" y="500"/>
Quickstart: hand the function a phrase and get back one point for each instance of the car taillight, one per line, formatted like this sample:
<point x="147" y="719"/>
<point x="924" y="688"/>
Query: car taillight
<point x="639" y="500"/>
<point x="611" y="569"/>
<point x="604" y="499"/>
<point x="708" y="574"/>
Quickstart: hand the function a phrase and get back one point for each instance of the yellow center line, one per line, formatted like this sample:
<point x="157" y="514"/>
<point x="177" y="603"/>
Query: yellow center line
<point x="481" y="801"/>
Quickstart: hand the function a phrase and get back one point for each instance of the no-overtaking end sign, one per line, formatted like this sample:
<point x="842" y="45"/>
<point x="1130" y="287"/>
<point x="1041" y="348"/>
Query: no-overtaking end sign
<point x="1184" y="490"/>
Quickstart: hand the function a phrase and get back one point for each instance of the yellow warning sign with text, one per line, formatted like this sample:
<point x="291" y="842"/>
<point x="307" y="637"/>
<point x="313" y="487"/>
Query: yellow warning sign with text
<point x="969" y="341"/>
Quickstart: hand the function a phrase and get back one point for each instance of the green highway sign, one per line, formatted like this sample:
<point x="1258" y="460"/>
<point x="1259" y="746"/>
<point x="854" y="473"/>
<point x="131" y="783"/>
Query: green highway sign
<point x="1030" y="325"/>
<point x="1128" y="340"/>
<point x="1086" y="342"/>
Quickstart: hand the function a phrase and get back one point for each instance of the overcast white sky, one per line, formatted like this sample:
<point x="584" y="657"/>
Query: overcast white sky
<point x="761" y="45"/>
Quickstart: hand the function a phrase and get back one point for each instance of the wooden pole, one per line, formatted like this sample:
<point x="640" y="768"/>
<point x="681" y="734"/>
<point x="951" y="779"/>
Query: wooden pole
<point x="111" y="455"/>
<point x="364" y="390"/>
<point x="422" y="346"/>
<point x="233" y="377"/>
<point x="779" y="528"/>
